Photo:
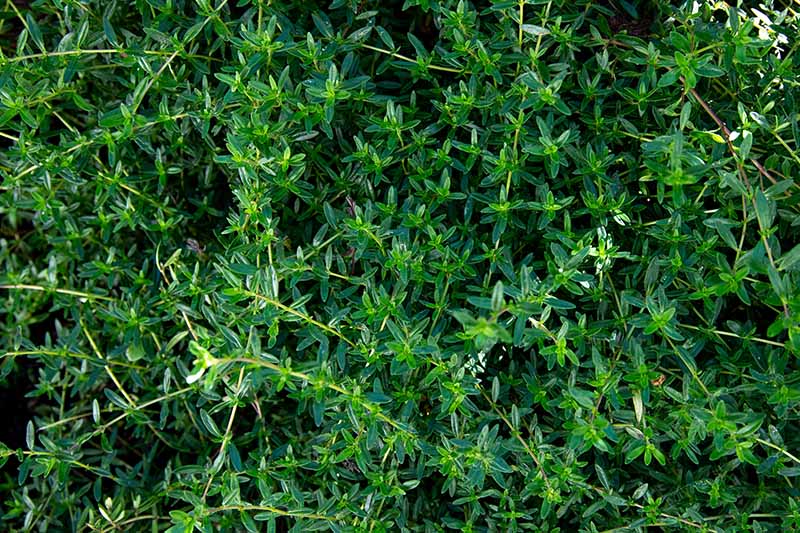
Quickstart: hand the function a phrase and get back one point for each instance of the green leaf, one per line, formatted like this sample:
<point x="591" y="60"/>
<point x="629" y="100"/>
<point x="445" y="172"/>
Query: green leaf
<point x="385" y="37"/>
<point x="686" y="112"/>
<point x="723" y="227"/>
<point x="111" y="35"/>
<point x="536" y="31"/>
<point x="789" y="260"/>
<point x="746" y="144"/>
<point x="765" y="210"/>
<point x="35" y="32"/>
<point x="248" y="523"/>
<point x="210" y="425"/>
<point x="680" y="42"/>
<point x="30" y="435"/>
<point x="558" y="304"/>
<point x="193" y="31"/>
<point x="419" y="48"/>
<point x="233" y="454"/>
<point x="112" y="119"/>
<point x="602" y="476"/>
<point x="497" y="297"/>
<point x="733" y="18"/>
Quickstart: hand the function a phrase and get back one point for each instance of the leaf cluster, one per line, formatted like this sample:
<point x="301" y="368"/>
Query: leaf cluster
<point x="432" y="265"/>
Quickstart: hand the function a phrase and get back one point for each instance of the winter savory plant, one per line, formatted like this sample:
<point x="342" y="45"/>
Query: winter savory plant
<point x="372" y="265"/>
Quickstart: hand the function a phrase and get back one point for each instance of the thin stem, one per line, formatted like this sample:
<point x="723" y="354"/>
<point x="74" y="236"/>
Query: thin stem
<point x="227" y="438"/>
<point x="519" y="33"/>
<point x="727" y="135"/>
<point x="544" y="25"/>
<point x="783" y="143"/>
<point x="690" y="367"/>
<point x="372" y="408"/>
<point x="69" y="292"/>
<point x="94" y="470"/>
<point x="302" y="316"/>
<point x="734" y="335"/>
<point x="269" y="509"/>
<point x="168" y="210"/>
<point x="410" y="60"/>
<point x="743" y="174"/>
<point x="108" y="369"/>
<point x="102" y="51"/>
<point x="778" y="448"/>
<point x="517" y="435"/>
<point x="520" y="118"/>
<point x="66" y="353"/>
<point x="134" y="409"/>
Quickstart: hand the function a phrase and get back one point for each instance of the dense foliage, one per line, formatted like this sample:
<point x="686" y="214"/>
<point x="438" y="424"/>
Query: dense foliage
<point x="437" y="265"/>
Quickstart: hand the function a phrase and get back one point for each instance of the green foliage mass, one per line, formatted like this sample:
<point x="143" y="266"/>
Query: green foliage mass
<point x="429" y="266"/>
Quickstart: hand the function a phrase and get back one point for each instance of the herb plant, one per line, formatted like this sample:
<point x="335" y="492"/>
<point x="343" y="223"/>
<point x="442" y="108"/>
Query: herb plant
<point x="371" y="265"/>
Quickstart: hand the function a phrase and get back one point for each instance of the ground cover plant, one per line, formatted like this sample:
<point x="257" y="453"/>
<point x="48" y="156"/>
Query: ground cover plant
<point x="370" y="265"/>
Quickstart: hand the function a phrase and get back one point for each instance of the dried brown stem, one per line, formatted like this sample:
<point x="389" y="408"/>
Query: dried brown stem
<point x="727" y="133"/>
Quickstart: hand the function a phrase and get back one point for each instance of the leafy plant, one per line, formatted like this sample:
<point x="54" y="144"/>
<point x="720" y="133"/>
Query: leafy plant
<point x="420" y="266"/>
